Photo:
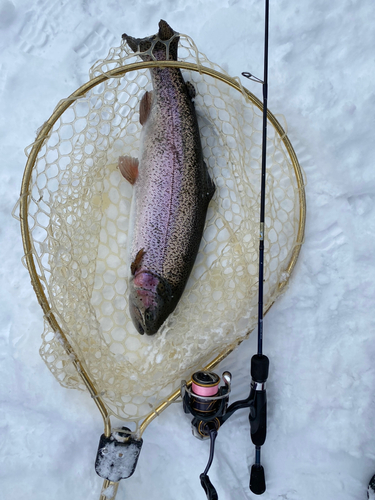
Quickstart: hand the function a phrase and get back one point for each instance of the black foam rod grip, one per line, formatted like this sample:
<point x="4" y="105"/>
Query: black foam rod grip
<point x="257" y="480"/>
<point x="259" y="367"/>
<point x="258" y="420"/>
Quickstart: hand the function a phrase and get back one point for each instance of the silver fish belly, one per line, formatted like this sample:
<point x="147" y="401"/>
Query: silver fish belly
<point x="172" y="190"/>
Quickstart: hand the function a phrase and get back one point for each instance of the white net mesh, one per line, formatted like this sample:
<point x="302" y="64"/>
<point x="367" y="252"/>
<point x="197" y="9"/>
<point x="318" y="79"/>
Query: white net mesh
<point x="79" y="213"/>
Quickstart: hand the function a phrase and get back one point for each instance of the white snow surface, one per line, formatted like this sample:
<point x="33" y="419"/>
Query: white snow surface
<point x="319" y="336"/>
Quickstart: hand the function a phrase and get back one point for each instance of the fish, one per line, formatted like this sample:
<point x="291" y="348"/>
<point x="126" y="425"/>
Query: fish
<point x="172" y="187"/>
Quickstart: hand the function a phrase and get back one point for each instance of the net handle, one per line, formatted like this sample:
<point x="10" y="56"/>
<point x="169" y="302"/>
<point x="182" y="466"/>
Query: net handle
<point x="25" y="199"/>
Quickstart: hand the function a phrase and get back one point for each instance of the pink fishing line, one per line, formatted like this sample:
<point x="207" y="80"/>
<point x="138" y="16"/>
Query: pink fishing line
<point x="204" y="391"/>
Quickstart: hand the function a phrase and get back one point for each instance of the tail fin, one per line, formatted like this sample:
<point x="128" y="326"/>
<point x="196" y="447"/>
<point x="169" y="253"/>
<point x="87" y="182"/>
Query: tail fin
<point x="164" y="44"/>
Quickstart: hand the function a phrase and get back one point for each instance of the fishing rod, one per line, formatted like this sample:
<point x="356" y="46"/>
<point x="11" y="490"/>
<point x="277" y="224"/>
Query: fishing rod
<point x="205" y="400"/>
<point x="260" y="362"/>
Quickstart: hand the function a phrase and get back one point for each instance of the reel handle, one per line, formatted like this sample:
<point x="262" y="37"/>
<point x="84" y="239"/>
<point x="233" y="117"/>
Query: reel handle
<point x="208" y="487"/>
<point x="205" y="480"/>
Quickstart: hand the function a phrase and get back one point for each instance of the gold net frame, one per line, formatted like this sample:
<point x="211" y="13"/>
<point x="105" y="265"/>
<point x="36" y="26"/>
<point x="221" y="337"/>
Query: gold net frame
<point x="27" y="239"/>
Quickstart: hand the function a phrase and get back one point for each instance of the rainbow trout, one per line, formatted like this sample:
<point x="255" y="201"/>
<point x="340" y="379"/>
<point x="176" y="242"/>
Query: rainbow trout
<point x="172" y="188"/>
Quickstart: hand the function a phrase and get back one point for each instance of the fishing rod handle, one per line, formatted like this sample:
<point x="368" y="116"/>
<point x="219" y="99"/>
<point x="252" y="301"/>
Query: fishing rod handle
<point x="258" y="418"/>
<point x="258" y="413"/>
<point x="257" y="480"/>
<point x="259" y="368"/>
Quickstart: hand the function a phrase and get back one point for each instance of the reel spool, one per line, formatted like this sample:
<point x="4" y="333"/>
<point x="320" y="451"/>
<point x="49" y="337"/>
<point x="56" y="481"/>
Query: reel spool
<point x="74" y="213"/>
<point x="205" y="401"/>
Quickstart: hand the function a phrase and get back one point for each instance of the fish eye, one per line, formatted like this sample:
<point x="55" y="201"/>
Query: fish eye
<point x="161" y="288"/>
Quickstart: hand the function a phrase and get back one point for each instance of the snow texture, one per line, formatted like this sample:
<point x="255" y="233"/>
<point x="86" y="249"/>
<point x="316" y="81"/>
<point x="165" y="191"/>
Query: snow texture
<point x="319" y="336"/>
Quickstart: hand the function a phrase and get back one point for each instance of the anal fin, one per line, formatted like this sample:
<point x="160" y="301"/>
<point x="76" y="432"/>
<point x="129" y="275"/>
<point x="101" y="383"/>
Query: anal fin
<point x="211" y="188"/>
<point x="129" y="168"/>
<point x="191" y="90"/>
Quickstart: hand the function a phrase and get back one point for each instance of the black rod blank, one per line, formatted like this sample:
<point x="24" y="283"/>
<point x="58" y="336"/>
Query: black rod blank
<point x="263" y="186"/>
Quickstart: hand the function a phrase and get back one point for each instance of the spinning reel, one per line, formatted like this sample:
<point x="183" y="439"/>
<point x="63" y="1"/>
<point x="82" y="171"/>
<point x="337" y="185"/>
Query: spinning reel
<point x="208" y="403"/>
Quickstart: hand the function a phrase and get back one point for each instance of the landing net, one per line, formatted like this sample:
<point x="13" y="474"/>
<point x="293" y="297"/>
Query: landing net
<point x="78" y="216"/>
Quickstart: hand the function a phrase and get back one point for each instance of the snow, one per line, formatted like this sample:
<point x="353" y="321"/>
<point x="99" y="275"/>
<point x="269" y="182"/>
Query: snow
<point x="319" y="336"/>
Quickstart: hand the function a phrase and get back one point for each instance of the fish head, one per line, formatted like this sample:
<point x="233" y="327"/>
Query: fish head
<point x="149" y="302"/>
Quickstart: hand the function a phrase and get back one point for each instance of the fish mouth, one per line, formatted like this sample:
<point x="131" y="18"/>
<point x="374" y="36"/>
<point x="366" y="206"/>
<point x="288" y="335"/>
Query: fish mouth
<point x="149" y="302"/>
<point x="147" y="322"/>
<point x="137" y="318"/>
<point x="140" y="329"/>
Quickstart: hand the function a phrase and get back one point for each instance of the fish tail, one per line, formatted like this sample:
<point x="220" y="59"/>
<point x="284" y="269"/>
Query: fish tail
<point x="167" y="33"/>
<point x="165" y="47"/>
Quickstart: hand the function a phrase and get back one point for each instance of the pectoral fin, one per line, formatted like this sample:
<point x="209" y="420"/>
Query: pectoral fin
<point x="137" y="261"/>
<point x="129" y="168"/>
<point x="145" y="107"/>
